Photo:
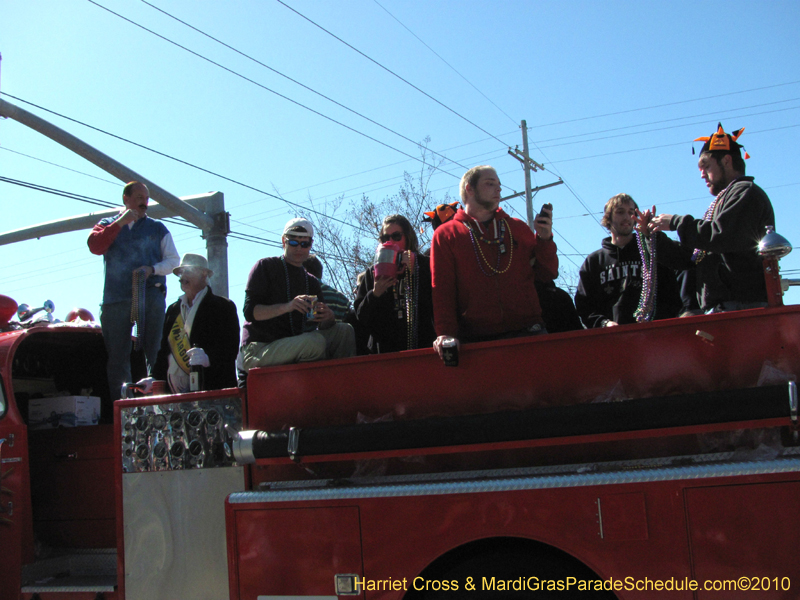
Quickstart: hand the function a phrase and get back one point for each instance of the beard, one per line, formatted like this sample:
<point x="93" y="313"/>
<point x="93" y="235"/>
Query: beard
<point x="624" y="230"/>
<point x="485" y="203"/>
<point x="715" y="187"/>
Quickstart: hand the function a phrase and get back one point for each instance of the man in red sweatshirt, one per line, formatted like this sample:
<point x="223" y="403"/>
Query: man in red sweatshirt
<point x="484" y="264"/>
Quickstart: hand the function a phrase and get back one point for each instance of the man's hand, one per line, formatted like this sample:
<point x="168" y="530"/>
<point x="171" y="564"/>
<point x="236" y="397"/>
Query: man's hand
<point x="437" y="344"/>
<point x="265" y="312"/>
<point x="642" y="219"/>
<point x="543" y="223"/>
<point x="198" y="356"/>
<point x="146" y="270"/>
<point x="610" y="323"/>
<point x="129" y="216"/>
<point x="324" y="316"/>
<point x="660" y="223"/>
<point x="301" y="304"/>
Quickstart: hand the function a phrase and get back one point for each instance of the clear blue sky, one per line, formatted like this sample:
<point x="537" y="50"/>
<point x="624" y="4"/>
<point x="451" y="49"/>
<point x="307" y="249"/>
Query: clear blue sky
<point x="613" y="93"/>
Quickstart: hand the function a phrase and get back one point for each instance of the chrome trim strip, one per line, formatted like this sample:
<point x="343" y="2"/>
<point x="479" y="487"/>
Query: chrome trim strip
<point x="600" y="518"/>
<point x="728" y="469"/>
<point x="294" y="442"/>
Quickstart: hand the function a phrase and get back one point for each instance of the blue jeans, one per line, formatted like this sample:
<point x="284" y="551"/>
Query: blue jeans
<point x="115" y="320"/>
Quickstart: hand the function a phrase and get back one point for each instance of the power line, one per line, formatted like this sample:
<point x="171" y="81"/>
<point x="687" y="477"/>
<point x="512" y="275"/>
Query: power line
<point x="445" y="62"/>
<point x="589" y="212"/>
<point x="41" y="188"/>
<point x="173" y="221"/>
<point x="751" y="132"/>
<point x="608" y="137"/>
<point x="582" y="135"/>
<point x="254" y="82"/>
<point x="277" y="197"/>
<point x="388" y="70"/>
<point x="622" y="112"/>
<point x="584" y="140"/>
<point x="47" y="162"/>
<point x="183" y="162"/>
<point x="258" y="62"/>
<point x="721" y="115"/>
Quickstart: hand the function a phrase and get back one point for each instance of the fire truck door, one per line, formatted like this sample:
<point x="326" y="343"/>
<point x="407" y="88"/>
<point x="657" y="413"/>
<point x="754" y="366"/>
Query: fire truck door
<point x="13" y="446"/>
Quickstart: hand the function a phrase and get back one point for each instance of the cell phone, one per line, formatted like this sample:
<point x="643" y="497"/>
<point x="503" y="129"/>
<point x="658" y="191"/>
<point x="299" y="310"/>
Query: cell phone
<point x="547" y="210"/>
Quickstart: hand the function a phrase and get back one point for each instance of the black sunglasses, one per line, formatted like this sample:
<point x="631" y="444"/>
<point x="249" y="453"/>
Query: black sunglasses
<point x="301" y="244"/>
<point x="395" y="237"/>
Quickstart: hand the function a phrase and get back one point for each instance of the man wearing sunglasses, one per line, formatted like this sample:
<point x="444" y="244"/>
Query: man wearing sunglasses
<point x="285" y="320"/>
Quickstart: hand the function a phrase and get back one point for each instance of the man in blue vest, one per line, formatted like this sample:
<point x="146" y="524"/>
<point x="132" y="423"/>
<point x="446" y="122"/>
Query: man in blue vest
<point x="133" y="246"/>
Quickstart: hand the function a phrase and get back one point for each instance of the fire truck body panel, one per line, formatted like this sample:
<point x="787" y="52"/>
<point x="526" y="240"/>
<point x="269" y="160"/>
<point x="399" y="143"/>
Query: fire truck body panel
<point x="635" y="488"/>
<point x="653" y="524"/>
<point x="661" y="358"/>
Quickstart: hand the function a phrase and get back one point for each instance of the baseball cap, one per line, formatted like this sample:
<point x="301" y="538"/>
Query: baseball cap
<point x="299" y="228"/>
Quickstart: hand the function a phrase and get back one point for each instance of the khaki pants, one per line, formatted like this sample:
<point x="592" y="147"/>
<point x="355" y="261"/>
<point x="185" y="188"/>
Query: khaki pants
<point x="335" y="342"/>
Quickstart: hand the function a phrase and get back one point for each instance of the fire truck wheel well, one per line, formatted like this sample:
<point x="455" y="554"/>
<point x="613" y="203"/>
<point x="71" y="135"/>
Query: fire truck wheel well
<point x="493" y="565"/>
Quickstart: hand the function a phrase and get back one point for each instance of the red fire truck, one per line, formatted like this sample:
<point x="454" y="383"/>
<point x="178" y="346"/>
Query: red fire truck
<point x="641" y="461"/>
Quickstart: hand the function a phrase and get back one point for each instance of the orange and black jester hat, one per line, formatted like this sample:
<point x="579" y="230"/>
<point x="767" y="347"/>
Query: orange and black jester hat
<point x="721" y="141"/>
<point x="441" y="214"/>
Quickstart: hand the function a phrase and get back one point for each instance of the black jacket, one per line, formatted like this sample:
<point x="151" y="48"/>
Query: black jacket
<point x="731" y="268"/>
<point x="611" y="285"/>
<point x="378" y="317"/>
<point x="216" y="330"/>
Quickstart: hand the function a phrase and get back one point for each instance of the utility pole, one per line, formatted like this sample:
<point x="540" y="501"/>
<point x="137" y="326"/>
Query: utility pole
<point x="528" y="165"/>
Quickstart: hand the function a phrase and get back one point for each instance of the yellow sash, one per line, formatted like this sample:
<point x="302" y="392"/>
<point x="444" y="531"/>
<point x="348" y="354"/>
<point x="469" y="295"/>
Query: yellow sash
<point x="179" y="344"/>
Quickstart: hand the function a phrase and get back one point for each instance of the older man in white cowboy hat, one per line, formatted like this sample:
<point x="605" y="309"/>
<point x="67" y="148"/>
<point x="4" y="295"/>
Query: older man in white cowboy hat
<point x="200" y="329"/>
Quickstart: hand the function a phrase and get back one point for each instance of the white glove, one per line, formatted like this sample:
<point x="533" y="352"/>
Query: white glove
<point x="198" y="356"/>
<point x="145" y="385"/>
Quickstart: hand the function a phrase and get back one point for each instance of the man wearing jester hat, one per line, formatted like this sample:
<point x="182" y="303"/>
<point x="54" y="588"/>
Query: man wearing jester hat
<point x="720" y="249"/>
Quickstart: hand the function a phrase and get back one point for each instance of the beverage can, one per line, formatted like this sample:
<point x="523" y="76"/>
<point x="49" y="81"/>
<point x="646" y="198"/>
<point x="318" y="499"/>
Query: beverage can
<point x="312" y="312"/>
<point x="450" y="352"/>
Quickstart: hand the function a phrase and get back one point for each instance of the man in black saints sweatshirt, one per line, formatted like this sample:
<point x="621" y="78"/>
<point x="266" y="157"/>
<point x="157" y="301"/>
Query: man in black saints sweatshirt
<point x="611" y="278"/>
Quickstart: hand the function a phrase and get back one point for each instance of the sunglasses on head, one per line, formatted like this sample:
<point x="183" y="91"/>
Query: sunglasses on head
<point x="395" y="237"/>
<point x="301" y="244"/>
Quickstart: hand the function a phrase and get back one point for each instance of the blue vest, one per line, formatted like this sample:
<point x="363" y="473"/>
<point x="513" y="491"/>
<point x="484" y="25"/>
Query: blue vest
<point x="134" y="247"/>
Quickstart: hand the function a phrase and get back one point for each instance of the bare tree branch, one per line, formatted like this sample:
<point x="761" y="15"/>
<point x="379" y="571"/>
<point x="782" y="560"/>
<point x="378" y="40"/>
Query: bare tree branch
<point x="347" y="251"/>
